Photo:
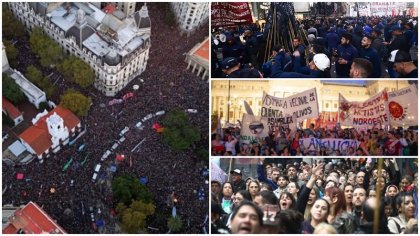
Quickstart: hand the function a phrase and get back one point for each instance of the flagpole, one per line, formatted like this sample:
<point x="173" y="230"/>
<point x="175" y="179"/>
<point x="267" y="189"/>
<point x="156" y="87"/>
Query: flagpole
<point x="228" y="103"/>
<point x="378" y="199"/>
<point x="230" y="168"/>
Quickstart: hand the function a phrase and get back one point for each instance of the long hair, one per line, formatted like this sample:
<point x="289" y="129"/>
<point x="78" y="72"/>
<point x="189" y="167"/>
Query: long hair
<point x="339" y="194"/>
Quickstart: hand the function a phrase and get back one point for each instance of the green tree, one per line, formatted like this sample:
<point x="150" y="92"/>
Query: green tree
<point x="133" y="218"/>
<point x="127" y="188"/>
<point x="34" y="75"/>
<point x="77" y="71"/>
<point x="11" y="90"/>
<point x="179" y="133"/>
<point x="6" y="120"/>
<point x="37" y="40"/>
<point x="174" y="224"/>
<point x="44" y="106"/>
<point x="76" y="102"/>
<point x="202" y="154"/>
<point x="11" y="50"/>
<point x="47" y="49"/>
<point x="11" y="28"/>
<point x="52" y="55"/>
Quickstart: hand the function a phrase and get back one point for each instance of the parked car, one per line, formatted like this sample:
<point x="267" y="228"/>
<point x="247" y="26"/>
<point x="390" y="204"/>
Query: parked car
<point x="106" y="155"/>
<point x="124" y="131"/>
<point x="97" y="168"/>
<point x="159" y="113"/>
<point x="191" y="110"/>
<point x="94" y="177"/>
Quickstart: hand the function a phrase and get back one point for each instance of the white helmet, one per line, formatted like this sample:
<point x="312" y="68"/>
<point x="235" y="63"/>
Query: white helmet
<point x="321" y="61"/>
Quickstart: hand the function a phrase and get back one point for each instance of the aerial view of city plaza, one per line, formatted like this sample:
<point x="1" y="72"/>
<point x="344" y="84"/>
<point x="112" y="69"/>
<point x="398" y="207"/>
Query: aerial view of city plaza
<point x="105" y="117"/>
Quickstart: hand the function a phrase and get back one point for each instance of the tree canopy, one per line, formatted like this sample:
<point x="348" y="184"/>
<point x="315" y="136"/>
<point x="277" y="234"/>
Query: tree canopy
<point x="76" y="102"/>
<point x="11" y="28"/>
<point x="133" y="218"/>
<point x="49" y="51"/>
<point x="179" y="133"/>
<point x="11" y="90"/>
<point x="127" y="188"/>
<point x="174" y="224"/>
<point x="77" y="71"/>
<point x="34" y="75"/>
<point x="11" y="51"/>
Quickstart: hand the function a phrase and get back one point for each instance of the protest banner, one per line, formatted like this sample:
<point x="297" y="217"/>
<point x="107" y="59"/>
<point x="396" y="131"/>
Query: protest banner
<point x="225" y="14"/>
<point x="313" y="144"/>
<point x="254" y="129"/>
<point x="368" y="114"/>
<point x="217" y="173"/>
<point x="281" y="110"/>
<point x="403" y="107"/>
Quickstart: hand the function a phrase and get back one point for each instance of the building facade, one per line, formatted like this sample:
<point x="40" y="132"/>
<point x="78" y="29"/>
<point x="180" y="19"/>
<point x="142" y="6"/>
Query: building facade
<point x="13" y="112"/>
<point x="251" y="91"/>
<point x="50" y="132"/>
<point x="190" y="15"/>
<point x="31" y="219"/>
<point x="198" y="59"/>
<point x="116" y="48"/>
<point x="32" y="92"/>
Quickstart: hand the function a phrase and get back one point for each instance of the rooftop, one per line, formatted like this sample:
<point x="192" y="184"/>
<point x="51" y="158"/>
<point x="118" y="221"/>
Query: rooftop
<point x="26" y="85"/>
<point x="32" y="219"/>
<point x="38" y="137"/>
<point x="123" y="34"/>
<point x="11" y="110"/>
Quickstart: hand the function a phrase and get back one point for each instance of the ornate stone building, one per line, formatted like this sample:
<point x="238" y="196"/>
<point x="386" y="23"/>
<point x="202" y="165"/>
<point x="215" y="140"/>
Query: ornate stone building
<point x="115" y="46"/>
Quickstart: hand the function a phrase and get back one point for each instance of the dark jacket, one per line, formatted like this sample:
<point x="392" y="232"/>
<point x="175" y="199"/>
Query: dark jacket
<point x="368" y="228"/>
<point x="300" y="71"/>
<point x="263" y="178"/>
<point x="245" y="73"/>
<point x="399" y="42"/>
<point x="240" y="185"/>
<point x="348" y="52"/>
<point x="373" y="56"/>
<point x="344" y="223"/>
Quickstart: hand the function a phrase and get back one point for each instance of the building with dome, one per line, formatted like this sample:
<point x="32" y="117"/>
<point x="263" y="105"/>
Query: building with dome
<point x="114" y="44"/>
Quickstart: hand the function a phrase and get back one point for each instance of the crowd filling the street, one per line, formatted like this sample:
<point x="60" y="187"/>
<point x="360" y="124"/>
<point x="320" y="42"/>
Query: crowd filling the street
<point x="279" y="45"/>
<point x="63" y="184"/>
<point x="373" y="142"/>
<point x="322" y="196"/>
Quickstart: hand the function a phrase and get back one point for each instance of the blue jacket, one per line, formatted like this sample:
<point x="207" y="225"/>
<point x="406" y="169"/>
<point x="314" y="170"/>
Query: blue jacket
<point x="373" y="56"/>
<point x="332" y="40"/>
<point x="263" y="178"/>
<point x="300" y="71"/>
<point x="233" y="50"/>
<point x="348" y="52"/>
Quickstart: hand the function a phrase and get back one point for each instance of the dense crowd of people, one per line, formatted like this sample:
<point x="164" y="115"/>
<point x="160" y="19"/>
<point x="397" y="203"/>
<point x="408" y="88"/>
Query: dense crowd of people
<point x="328" y="196"/>
<point x="372" y="142"/>
<point x="346" y="47"/>
<point x="164" y="88"/>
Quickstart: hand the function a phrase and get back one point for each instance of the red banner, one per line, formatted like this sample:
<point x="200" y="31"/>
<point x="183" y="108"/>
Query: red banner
<point x="225" y="14"/>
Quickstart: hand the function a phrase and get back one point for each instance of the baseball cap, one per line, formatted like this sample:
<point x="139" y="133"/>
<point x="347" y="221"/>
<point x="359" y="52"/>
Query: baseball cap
<point x="400" y="56"/>
<point x="321" y="61"/>
<point x="396" y="28"/>
<point x="236" y="171"/>
<point x="229" y="62"/>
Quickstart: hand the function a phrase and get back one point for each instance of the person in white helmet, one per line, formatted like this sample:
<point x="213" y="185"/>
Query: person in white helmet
<point x="317" y="68"/>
